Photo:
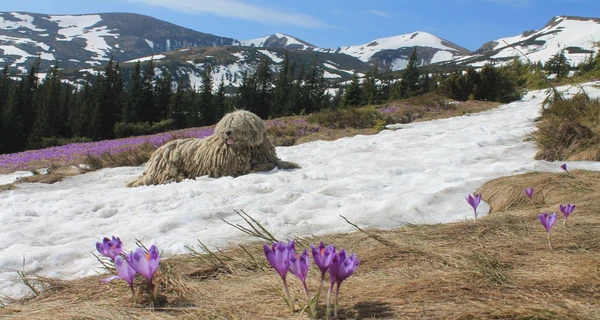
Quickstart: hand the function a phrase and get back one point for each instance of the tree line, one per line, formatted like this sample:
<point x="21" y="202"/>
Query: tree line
<point x="147" y="98"/>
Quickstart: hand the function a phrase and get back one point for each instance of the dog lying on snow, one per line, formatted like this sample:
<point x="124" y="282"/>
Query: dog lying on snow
<point x="239" y="145"/>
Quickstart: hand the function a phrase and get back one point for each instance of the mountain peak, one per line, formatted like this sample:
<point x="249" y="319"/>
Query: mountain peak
<point x="278" y="40"/>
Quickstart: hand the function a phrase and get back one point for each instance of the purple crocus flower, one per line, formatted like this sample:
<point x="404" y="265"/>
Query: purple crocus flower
<point x="279" y="256"/>
<point x="566" y="210"/>
<point x="341" y="268"/>
<point x="299" y="267"/>
<point x="529" y="192"/>
<point x="323" y="256"/>
<point x="125" y="272"/>
<point x="564" y="167"/>
<point x="144" y="263"/>
<point x="110" y="248"/>
<point x="474" y="200"/>
<point x="547" y="220"/>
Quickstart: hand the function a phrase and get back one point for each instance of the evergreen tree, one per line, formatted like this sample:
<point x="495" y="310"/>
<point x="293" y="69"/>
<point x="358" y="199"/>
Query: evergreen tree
<point x="12" y="137"/>
<point x="283" y="88"/>
<point x="133" y="108"/>
<point x="164" y="90"/>
<point x="246" y="93"/>
<point x="369" y="87"/>
<point x="219" y="101"/>
<point x="205" y="101"/>
<point x="314" y="88"/>
<point x="149" y="112"/>
<point x="353" y="94"/>
<point x="80" y="120"/>
<point x="296" y="100"/>
<point x="264" y="90"/>
<point x="48" y="120"/>
<point x="558" y="64"/>
<point x="108" y="102"/>
<point x="177" y="105"/>
<point x="26" y="110"/>
<point x="410" y="76"/>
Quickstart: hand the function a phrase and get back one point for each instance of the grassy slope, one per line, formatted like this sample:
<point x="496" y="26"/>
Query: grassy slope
<point x="498" y="268"/>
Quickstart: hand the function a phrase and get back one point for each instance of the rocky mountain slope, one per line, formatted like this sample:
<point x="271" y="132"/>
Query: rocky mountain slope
<point x="83" y="41"/>
<point x="575" y="35"/>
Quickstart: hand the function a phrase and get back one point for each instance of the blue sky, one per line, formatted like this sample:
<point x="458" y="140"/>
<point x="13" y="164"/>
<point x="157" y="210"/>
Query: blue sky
<point x="335" y="23"/>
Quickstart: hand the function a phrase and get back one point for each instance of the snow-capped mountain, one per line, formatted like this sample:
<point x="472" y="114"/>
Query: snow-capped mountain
<point x="388" y="53"/>
<point x="393" y="52"/>
<point x="575" y="35"/>
<point x="278" y="40"/>
<point x="82" y="41"/>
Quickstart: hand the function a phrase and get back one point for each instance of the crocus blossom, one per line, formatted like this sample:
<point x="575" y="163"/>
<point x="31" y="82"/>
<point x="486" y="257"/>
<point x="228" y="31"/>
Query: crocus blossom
<point x="547" y="220"/>
<point x="299" y="264"/>
<point x="566" y="210"/>
<point x="323" y="256"/>
<point x="279" y="256"/>
<point x="341" y="268"/>
<point x="474" y="201"/>
<point x="529" y="192"/>
<point x="110" y="248"/>
<point x="564" y="167"/>
<point x="144" y="263"/>
<point x="124" y="271"/>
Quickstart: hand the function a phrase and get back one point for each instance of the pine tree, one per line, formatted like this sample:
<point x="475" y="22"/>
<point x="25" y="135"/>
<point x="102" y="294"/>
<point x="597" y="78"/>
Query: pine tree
<point x="177" y="105"/>
<point x="369" y="87"/>
<point x="133" y="108"/>
<point x="205" y="107"/>
<point x="149" y="112"/>
<point x="48" y="120"/>
<point x="12" y="137"/>
<point x="410" y="76"/>
<point x="282" y="89"/>
<point x="219" y="101"/>
<point x="164" y="90"/>
<point x="264" y="90"/>
<point x="558" y="64"/>
<point x="80" y="120"/>
<point x="353" y="94"/>
<point x="246" y="94"/>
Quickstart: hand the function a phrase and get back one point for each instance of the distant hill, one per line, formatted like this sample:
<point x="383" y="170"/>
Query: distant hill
<point x="83" y="41"/>
<point x="575" y="35"/>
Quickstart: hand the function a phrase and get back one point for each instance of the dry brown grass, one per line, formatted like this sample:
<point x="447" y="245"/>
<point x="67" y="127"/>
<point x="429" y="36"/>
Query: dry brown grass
<point x="500" y="267"/>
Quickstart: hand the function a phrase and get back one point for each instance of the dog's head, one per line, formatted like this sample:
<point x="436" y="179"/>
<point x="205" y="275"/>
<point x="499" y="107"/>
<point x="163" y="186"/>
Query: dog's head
<point x="241" y="128"/>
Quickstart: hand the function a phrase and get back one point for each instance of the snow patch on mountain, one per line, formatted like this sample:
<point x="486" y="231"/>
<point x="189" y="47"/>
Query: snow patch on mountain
<point x="271" y="56"/>
<point x="419" y="39"/>
<point x="73" y="27"/>
<point x="576" y="36"/>
<point x="25" y="21"/>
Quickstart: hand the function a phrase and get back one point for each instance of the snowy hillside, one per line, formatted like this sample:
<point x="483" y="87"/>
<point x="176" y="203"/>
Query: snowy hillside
<point x="83" y="41"/>
<point x="278" y="40"/>
<point x="393" y="52"/>
<point x="574" y="35"/>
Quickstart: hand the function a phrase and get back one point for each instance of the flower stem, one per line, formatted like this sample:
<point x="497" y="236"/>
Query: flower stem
<point x="550" y="241"/>
<point x="335" y="306"/>
<point x="565" y="223"/>
<point x="287" y="296"/>
<point x="133" y="293"/>
<point x="328" y="301"/>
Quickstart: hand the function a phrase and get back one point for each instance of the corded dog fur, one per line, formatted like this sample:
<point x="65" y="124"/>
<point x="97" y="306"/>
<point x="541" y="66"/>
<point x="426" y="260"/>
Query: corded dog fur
<point x="239" y="145"/>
